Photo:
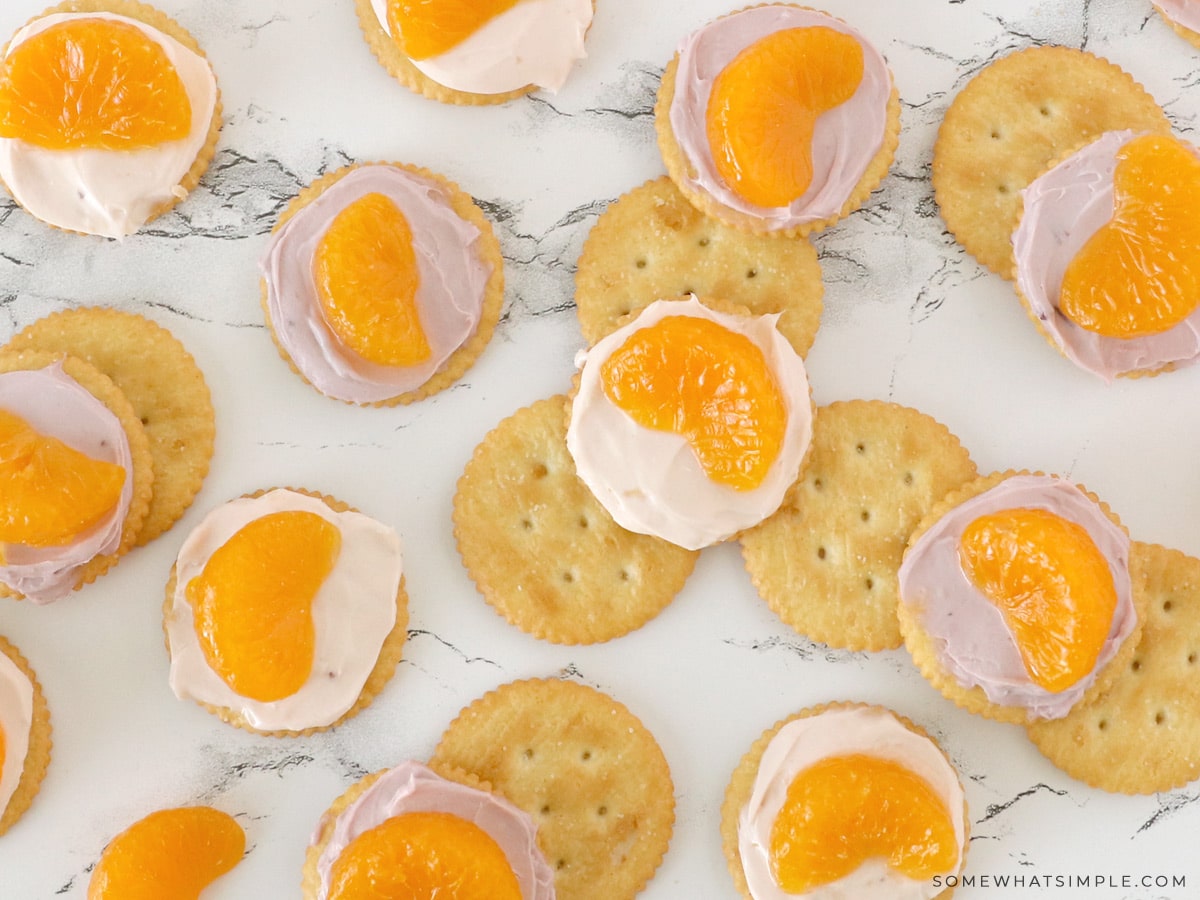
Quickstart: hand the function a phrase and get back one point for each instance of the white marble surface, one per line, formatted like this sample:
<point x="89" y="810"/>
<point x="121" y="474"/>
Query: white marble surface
<point x="909" y="317"/>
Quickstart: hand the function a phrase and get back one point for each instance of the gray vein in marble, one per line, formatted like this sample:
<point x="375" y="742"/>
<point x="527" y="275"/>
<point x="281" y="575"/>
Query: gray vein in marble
<point x="1168" y="806"/>
<point x="995" y="810"/>
<point x="803" y="648"/>
<point x="414" y="633"/>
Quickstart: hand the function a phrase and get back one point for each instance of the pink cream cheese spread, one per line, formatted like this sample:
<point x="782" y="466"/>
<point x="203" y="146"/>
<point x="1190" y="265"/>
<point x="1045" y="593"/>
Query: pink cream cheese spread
<point x="975" y="645"/>
<point x="449" y="300"/>
<point x="845" y="140"/>
<point x="56" y="405"/>
<point x="412" y="787"/>
<point x="16" y="724"/>
<point x="1062" y="209"/>
<point x="806" y="741"/>
<point x="1185" y="13"/>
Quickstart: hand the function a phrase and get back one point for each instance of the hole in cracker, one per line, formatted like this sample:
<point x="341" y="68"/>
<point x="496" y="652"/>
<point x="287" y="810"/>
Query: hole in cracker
<point x="687" y="290"/>
<point x="545" y="809"/>
<point x="1136" y="665"/>
<point x="585" y="755"/>
<point x="624" y="575"/>
<point x="1002" y="188"/>
<point x="527" y="524"/>
<point x="1160" y="717"/>
<point x="818" y="484"/>
<point x="602" y="811"/>
<point x="568" y="577"/>
<point x="908" y="477"/>
<point x="1102" y="724"/>
<point x="870" y="583"/>
<point x="1191" y="658"/>
<point x="820" y="553"/>
<point x="860" y="448"/>
<point x="540" y="471"/>
<point x="1044" y="110"/>
<point x="995" y="134"/>
<point x="752" y="273"/>
<point x="641" y="263"/>
<point x="145" y="420"/>
<point x="866" y="515"/>
<point x="703" y="242"/>
<point x="624" y="311"/>
<point x="1167" y="605"/>
<point x="583" y="522"/>
<point x="561" y="864"/>
<point x="528" y="753"/>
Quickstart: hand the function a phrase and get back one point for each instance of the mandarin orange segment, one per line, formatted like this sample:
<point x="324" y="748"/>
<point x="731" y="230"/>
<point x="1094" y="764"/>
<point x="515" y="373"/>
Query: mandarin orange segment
<point x="252" y="603"/>
<point x="423" y="855"/>
<point x="366" y="274"/>
<point x="713" y="386"/>
<point x="1052" y="585"/>
<point x="1139" y="274"/>
<point x="49" y="491"/>
<point x="844" y="810"/>
<point x="172" y="854"/>
<point x="92" y="84"/>
<point x="764" y="105"/>
<point x="427" y="28"/>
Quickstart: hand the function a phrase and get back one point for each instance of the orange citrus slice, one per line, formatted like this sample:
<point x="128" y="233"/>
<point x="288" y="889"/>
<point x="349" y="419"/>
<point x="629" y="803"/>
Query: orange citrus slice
<point x="253" y="600"/>
<point x="172" y="854"/>
<point x="428" y="28"/>
<point x="1052" y="585"/>
<point x="92" y="84"/>
<point x="50" y="492"/>
<point x="713" y="386"/>
<point x="420" y="855"/>
<point x="366" y="274"/>
<point x="764" y="105"/>
<point x="844" y="810"/>
<point x="1139" y="274"/>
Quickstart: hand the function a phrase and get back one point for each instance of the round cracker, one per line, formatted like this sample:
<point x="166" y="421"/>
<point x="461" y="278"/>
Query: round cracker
<point x="159" y="21"/>
<point x="487" y="247"/>
<point x="385" y="664"/>
<point x="163" y="384"/>
<point x="1143" y="735"/>
<point x="310" y="883"/>
<point x="100" y="386"/>
<point x="1010" y="122"/>
<point x="680" y="169"/>
<point x="653" y="243"/>
<point x="828" y="561"/>
<point x="741" y="785"/>
<point x="587" y="770"/>
<point x="400" y="67"/>
<point x="543" y="551"/>
<point x="37" y="757"/>
<point x="924" y="648"/>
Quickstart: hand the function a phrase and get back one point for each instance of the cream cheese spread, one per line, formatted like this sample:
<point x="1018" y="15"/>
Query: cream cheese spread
<point x="16" y="721"/>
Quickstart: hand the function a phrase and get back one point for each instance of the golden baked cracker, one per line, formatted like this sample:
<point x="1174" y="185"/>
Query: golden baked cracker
<point x="924" y="649"/>
<point x="591" y="775"/>
<point x="37" y="757"/>
<point x="741" y="785"/>
<point x="400" y="67"/>
<point x="541" y="548"/>
<point x="653" y="243"/>
<point x="1013" y="119"/>
<point x="1143" y="735"/>
<point x="827" y="561"/>
<point x="164" y="385"/>
<point x="164" y="23"/>
<point x="144" y="474"/>
<point x="310" y="883"/>
<point x="679" y="169"/>
<point x="487" y="247"/>
<point x="385" y="663"/>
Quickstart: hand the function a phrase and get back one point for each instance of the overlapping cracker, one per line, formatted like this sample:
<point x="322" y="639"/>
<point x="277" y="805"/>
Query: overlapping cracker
<point x="827" y="561"/>
<point x="587" y="770"/>
<point x="385" y="663"/>
<point x="543" y="551"/>
<point x="144" y="474"/>
<point x="162" y="383"/>
<point x="487" y="247"/>
<point x="652" y="243"/>
<point x="1142" y="735"/>
<point x="741" y="785"/>
<point x="924" y="648"/>
<point x="37" y="757"/>
<point x="1010" y="122"/>
<point x="168" y="26"/>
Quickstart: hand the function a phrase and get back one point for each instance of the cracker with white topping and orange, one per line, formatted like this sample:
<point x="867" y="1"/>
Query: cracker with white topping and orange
<point x="486" y="52"/>
<point x="24" y="735"/>
<point x="1142" y="736"/>
<point x="827" y="562"/>
<point x="109" y="115"/>
<point x="382" y="283"/>
<point x="332" y="601"/>
<point x="1016" y="599"/>
<point x="590" y="773"/>
<point x="77" y="478"/>
<point x="777" y="118"/>
<point x="847" y="800"/>
<point x="1014" y="118"/>
<point x="543" y="551"/>
<point x="652" y="243"/>
<point x="163" y="384"/>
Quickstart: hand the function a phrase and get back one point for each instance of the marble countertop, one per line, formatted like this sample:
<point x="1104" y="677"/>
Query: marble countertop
<point x="909" y="317"/>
